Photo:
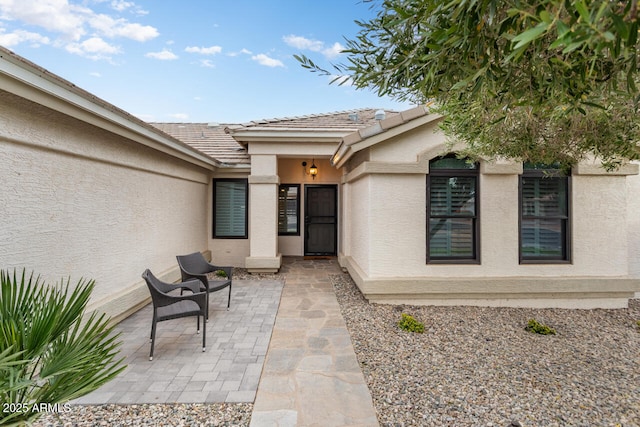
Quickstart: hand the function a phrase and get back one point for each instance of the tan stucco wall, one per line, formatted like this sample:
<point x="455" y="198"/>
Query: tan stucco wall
<point x="633" y="218"/>
<point x="409" y="145"/>
<point x="357" y="224"/>
<point x="81" y="202"/>
<point x="263" y="199"/>
<point x="291" y="171"/>
<point x="399" y="228"/>
<point x="386" y="225"/>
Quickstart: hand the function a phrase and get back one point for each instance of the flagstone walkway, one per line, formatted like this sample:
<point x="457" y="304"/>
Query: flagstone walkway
<point x="311" y="375"/>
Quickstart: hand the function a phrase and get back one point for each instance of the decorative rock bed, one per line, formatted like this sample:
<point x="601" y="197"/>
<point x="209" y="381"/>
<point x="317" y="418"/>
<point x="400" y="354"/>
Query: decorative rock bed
<point x="476" y="366"/>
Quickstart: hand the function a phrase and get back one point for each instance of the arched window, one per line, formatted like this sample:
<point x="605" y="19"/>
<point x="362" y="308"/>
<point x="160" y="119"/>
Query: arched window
<point x="452" y="210"/>
<point x="544" y="214"/>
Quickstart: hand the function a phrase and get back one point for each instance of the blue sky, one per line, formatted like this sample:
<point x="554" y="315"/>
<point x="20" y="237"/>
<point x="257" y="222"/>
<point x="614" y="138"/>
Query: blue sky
<point x="193" y="60"/>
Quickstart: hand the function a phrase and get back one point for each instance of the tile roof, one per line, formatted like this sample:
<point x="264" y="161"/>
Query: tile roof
<point x="211" y="139"/>
<point x="380" y="126"/>
<point x="348" y="120"/>
<point x="375" y="133"/>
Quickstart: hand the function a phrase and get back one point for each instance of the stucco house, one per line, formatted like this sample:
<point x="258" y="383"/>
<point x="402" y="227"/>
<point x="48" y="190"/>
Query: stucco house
<point x="90" y="190"/>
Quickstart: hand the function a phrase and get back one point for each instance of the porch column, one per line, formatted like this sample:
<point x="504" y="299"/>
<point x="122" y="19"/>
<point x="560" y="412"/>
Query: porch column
<point x="263" y="215"/>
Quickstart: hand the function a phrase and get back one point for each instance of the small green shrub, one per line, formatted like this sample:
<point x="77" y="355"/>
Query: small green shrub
<point x="539" y="328"/>
<point x="638" y="324"/>
<point x="410" y="324"/>
<point x="221" y="273"/>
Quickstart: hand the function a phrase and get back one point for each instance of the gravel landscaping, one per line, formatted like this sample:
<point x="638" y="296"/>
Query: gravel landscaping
<point x="476" y="366"/>
<point x="186" y="415"/>
<point x="472" y="366"/>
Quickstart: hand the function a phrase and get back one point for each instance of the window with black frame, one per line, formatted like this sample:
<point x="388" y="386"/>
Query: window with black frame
<point x="452" y="211"/>
<point x="544" y="214"/>
<point x="289" y="210"/>
<point x="230" y="213"/>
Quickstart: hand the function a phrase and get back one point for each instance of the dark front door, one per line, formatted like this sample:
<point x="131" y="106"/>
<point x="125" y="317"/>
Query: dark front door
<point x="321" y="220"/>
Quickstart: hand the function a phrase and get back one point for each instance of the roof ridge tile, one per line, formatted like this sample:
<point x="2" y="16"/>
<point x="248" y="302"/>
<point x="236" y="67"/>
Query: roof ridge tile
<point x="309" y="116"/>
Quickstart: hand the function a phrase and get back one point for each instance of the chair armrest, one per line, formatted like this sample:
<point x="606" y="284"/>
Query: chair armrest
<point x="161" y="299"/>
<point x="201" y="277"/>
<point x="189" y="285"/>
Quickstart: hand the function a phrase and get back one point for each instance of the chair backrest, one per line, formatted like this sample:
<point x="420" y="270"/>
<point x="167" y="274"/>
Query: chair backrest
<point x="157" y="288"/>
<point x="193" y="263"/>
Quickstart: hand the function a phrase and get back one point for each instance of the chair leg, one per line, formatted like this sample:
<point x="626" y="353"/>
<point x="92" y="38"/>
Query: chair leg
<point x="204" y="334"/>
<point x="229" y="301"/>
<point x="198" y="323"/>
<point x="153" y="337"/>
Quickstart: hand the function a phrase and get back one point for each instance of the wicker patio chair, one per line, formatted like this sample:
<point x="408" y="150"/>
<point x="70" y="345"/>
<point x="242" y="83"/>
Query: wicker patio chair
<point x="194" y="266"/>
<point x="167" y="307"/>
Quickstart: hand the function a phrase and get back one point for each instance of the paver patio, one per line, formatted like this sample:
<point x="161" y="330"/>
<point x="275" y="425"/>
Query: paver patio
<point x="229" y="370"/>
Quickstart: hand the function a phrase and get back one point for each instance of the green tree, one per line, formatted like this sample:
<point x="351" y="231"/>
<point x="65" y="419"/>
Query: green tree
<point x="539" y="81"/>
<point x="49" y="353"/>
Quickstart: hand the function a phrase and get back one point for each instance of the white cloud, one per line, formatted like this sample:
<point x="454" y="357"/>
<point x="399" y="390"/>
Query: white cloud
<point x="113" y="28"/>
<point x="137" y="32"/>
<point x="97" y="45"/>
<point x="21" y="36"/>
<point x="95" y="74"/>
<point x="207" y="63"/>
<point x="242" y="52"/>
<point x="341" y="80"/>
<point x="333" y="51"/>
<point x="53" y="15"/>
<point x="121" y="5"/>
<point x="164" y="55"/>
<point x="70" y="24"/>
<point x="212" y="50"/>
<point x="300" y="42"/>
<point x="304" y="43"/>
<point x="263" y="59"/>
<point x="94" y="48"/>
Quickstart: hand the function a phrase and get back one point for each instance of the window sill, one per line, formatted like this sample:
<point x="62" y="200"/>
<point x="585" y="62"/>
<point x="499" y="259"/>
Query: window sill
<point x="453" y="261"/>
<point x="544" y="261"/>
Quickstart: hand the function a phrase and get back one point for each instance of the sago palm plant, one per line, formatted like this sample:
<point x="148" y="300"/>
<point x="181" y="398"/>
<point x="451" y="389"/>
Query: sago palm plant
<point x="50" y="352"/>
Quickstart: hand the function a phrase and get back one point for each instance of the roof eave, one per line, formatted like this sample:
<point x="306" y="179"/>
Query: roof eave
<point x="382" y="131"/>
<point x="235" y="167"/>
<point x="25" y="79"/>
<point x="266" y="134"/>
